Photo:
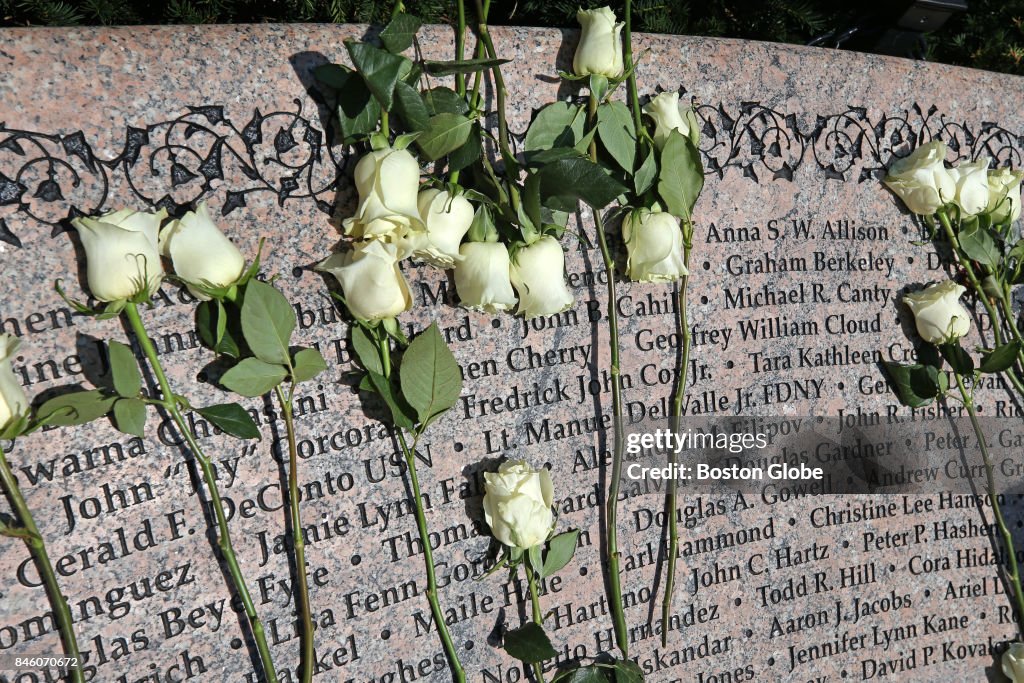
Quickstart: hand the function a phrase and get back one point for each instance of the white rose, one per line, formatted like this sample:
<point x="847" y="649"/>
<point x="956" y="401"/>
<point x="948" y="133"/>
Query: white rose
<point x="938" y="313"/>
<point x="482" y="277"/>
<point x="654" y="246"/>
<point x="1013" y="662"/>
<point x="447" y="219"/>
<point x="122" y="256"/>
<point x="388" y="181"/>
<point x="200" y="253"/>
<point x="922" y="180"/>
<point x="372" y="283"/>
<point x="1004" y="194"/>
<point x="13" y="402"/>
<point x="664" y="111"/>
<point x="971" y="186"/>
<point x="600" y="48"/>
<point x="538" y="274"/>
<point x="517" y="504"/>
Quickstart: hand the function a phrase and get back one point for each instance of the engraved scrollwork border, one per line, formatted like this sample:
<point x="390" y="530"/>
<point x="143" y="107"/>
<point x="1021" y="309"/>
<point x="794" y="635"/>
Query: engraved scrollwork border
<point x="47" y="178"/>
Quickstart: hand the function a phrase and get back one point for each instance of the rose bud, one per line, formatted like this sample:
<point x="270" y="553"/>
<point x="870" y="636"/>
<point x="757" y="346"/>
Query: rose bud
<point x="200" y="253"/>
<point x="922" y="180"/>
<point x="388" y="181"/>
<point x="600" y="49"/>
<point x="938" y="313"/>
<point x="517" y="504"/>
<point x="121" y="252"/>
<point x="447" y="219"/>
<point x="971" y="186"/>
<point x="664" y="111"/>
<point x="372" y="283"/>
<point x="14" y="403"/>
<point x="1013" y="662"/>
<point x="654" y="246"/>
<point x="482" y="277"/>
<point x="1004" y="194"/>
<point x="538" y="274"/>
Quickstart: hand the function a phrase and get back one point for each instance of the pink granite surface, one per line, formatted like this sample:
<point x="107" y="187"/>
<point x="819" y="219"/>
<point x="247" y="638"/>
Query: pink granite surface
<point x="103" y="118"/>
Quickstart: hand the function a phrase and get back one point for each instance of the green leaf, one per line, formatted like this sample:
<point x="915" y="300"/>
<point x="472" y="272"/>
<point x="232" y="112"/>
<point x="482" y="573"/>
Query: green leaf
<point x="1000" y="358"/>
<point x="958" y="359"/>
<point x="561" y="548"/>
<point x="627" y="671"/>
<point x="399" y="414"/>
<point x="615" y="129"/>
<point x="125" y="370"/>
<point x="979" y="244"/>
<point x="468" y="153"/>
<point x="644" y="177"/>
<point x="76" y="408"/>
<point x="529" y="644"/>
<point x="379" y="69"/>
<point x="901" y="380"/>
<point x="559" y="124"/>
<point x="533" y="556"/>
<point x="307" y="364"/>
<point x="566" y="181"/>
<point x="130" y="416"/>
<point x="333" y="76"/>
<point x="399" y="34"/>
<point x="441" y="100"/>
<point x="682" y="175"/>
<point x="465" y="66"/>
<point x="410" y="108"/>
<point x="444" y="133"/>
<point x="252" y="377"/>
<point x="924" y="381"/>
<point x="358" y="110"/>
<point x="592" y="673"/>
<point x="366" y="350"/>
<point x="214" y="330"/>
<point x="267" y="322"/>
<point x="231" y="418"/>
<point x="431" y="378"/>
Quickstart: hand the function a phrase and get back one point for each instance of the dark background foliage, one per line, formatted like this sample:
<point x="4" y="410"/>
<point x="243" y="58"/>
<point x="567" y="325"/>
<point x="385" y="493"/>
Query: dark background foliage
<point x="990" y="35"/>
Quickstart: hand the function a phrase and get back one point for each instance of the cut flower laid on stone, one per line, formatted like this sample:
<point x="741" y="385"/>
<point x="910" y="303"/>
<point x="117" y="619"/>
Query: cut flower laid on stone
<point x="517" y="504"/>
<point x="14" y="403"/>
<point x="600" y="48"/>
<point x="373" y="284"/>
<point x="483" y="277"/>
<point x="537" y="272"/>
<point x="200" y="254"/>
<point x="938" y="314"/>
<point x="122" y="253"/>
<point x="922" y="180"/>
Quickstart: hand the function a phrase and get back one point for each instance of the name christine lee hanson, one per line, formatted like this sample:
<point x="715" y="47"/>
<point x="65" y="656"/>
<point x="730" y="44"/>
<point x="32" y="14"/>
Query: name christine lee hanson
<point x="666" y="441"/>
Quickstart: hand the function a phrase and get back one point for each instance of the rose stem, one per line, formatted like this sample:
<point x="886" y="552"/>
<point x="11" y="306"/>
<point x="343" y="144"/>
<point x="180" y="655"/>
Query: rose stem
<point x="298" y="541"/>
<point x="634" y="95"/>
<point x="980" y="293"/>
<point x="460" y="47"/>
<point x="37" y="548"/>
<point x="677" y="409"/>
<point x="612" y="504"/>
<point x="1011" y="553"/>
<point x="170" y="404"/>
<point x="511" y="165"/>
<point x="460" y="54"/>
<point x="538" y="670"/>
<point x="458" y="673"/>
